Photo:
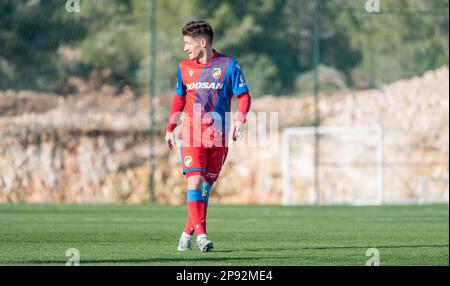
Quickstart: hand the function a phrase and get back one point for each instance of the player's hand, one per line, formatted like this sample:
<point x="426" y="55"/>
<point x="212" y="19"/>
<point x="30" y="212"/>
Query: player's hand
<point x="237" y="130"/>
<point x="170" y="139"/>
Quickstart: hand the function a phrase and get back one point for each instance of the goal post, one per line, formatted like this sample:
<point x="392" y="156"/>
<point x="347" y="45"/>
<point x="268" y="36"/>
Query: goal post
<point x="288" y="136"/>
<point x="425" y="195"/>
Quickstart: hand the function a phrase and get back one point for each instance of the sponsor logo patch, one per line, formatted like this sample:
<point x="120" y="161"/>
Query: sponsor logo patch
<point x="204" y="85"/>
<point x="242" y="79"/>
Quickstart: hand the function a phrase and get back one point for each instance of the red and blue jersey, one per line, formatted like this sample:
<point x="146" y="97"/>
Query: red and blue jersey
<point x="209" y="88"/>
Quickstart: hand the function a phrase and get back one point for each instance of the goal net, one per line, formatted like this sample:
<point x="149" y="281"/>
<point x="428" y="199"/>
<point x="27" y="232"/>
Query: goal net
<point x="349" y="169"/>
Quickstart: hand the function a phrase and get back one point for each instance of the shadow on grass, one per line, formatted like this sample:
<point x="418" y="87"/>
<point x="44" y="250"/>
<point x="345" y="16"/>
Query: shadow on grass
<point x="165" y="261"/>
<point x="333" y="247"/>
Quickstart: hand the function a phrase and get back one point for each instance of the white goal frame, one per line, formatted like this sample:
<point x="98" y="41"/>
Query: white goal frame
<point x="421" y="189"/>
<point x="321" y="130"/>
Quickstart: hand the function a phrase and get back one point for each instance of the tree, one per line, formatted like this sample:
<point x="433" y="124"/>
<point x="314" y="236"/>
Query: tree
<point x="30" y="34"/>
<point x="273" y="39"/>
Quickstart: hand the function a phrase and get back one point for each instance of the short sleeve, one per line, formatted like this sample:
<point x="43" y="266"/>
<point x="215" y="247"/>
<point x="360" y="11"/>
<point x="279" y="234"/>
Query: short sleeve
<point x="181" y="87"/>
<point x="238" y="82"/>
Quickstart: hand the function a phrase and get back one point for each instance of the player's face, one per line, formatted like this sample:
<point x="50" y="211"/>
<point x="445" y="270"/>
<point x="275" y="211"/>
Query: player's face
<point x="193" y="47"/>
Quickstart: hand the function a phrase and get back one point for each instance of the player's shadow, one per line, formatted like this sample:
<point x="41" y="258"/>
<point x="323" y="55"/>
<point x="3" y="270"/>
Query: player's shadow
<point x="332" y="247"/>
<point x="168" y="261"/>
<point x="132" y="261"/>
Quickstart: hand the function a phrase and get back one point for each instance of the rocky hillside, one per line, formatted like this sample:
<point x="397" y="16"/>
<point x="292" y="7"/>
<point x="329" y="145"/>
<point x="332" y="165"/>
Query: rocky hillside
<point x="414" y="114"/>
<point x="95" y="149"/>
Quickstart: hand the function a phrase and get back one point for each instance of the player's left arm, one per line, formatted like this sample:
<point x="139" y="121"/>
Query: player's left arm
<point x="244" y="102"/>
<point x="240" y="90"/>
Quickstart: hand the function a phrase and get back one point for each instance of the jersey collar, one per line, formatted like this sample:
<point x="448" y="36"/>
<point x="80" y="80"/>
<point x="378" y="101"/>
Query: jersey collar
<point x="215" y="55"/>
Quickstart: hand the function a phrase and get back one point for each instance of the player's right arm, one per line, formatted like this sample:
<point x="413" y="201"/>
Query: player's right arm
<point x="176" y="109"/>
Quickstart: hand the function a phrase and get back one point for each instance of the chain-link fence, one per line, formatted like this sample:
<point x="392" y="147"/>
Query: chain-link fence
<point x="45" y="42"/>
<point x="302" y="48"/>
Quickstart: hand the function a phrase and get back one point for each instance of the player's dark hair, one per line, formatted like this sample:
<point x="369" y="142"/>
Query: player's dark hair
<point x="198" y="28"/>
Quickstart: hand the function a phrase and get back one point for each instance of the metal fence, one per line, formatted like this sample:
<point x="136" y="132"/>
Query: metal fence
<point x="285" y="47"/>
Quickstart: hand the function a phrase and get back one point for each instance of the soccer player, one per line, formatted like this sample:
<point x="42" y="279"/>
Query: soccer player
<point x="207" y="82"/>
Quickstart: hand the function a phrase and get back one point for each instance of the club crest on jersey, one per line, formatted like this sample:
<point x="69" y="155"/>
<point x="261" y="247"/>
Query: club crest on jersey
<point x="217" y="72"/>
<point x="188" y="161"/>
<point x="191" y="72"/>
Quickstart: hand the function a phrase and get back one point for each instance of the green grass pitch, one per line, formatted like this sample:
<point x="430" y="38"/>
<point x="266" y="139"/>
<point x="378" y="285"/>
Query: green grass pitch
<point x="243" y="235"/>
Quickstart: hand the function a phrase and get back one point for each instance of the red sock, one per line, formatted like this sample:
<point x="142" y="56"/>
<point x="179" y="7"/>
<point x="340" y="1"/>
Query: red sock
<point x="207" y="188"/>
<point x="189" y="228"/>
<point x="196" y="209"/>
